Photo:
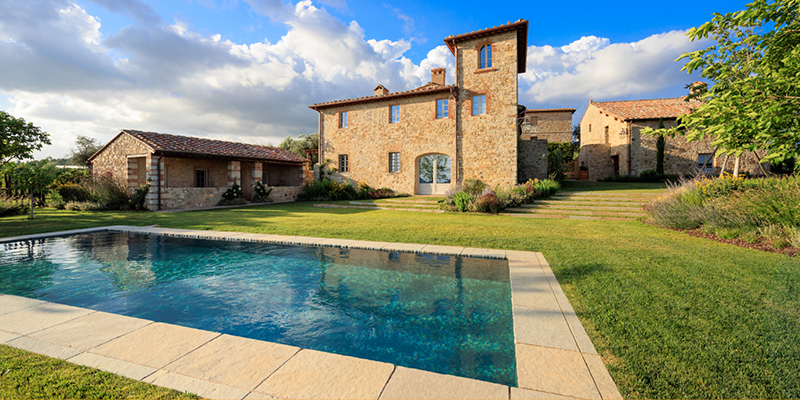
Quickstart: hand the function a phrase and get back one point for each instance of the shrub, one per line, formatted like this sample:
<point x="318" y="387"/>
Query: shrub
<point x="8" y="208"/>
<point x="474" y="187"/>
<point x="56" y="201"/>
<point x="84" y="206"/>
<point x="775" y="235"/>
<point x="110" y="193"/>
<point x="139" y="196"/>
<point x="261" y="193"/>
<point x="233" y="196"/>
<point x="461" y="200"/>
<point x="488" y="203"/>
<point x="73" y="176"/>
<point x="239" y="201"/>
<point x="74" y="192"/>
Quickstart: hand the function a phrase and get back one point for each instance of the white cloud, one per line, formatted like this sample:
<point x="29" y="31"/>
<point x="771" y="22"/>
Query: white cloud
<point x="592" y="67"/>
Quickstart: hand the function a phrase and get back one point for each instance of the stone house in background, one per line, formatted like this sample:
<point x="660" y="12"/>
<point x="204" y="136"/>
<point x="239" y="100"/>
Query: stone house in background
<point x="612" y="142"/>
<point x="190" y="172"/>
<point x="432" y="138"/>
<point x="537" y="129"/>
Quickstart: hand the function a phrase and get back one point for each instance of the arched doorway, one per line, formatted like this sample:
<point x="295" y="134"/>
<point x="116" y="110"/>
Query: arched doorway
<point x="434" y="174"/>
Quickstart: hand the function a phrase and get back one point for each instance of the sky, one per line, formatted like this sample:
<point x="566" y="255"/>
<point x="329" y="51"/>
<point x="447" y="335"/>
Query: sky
<point x="247" y="70"/>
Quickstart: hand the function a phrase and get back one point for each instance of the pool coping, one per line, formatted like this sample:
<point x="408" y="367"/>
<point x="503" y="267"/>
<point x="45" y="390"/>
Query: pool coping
<point x="555" y="357"/>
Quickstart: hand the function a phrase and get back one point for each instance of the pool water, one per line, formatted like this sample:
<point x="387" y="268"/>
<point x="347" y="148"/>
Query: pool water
<point x="445" y="314"/>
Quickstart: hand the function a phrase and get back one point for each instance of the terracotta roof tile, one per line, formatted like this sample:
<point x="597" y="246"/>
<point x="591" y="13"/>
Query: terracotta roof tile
<point x="428" y="88"/>
<point x="648" y="109"/>
<point x="541" y="110"/>
<point x="163" y="142"/>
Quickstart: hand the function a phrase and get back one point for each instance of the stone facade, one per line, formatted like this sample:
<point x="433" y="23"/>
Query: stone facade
<point x="532" y="158"/>
<point x="172" y="178"/>
<point x="612" y="143"/>
<point x="553" y="125"/>
<point x="480" y="146"/>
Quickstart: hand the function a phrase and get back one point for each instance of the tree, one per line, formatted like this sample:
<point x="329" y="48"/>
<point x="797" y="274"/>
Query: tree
<point x="18" y="140"/>
<point x="576" y="135"/>
<point x="85" y="147"/>
<point x="661" y="144"/>
<point x="754" y="100"/>
<point x="31" y="178"/>
<point x="302" y="143"/>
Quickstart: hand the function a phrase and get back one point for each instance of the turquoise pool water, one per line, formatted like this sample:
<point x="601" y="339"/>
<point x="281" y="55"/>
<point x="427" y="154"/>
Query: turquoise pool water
<point x="444" y="314"/>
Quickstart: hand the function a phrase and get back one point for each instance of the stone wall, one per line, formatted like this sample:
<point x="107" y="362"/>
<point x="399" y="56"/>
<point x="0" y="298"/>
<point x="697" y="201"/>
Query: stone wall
<point x="175" y="198"/>
<point x="488" y="143"/>
<point x="369" y="138"/>
<point x="180" y="172"/>
<point x="553" y="126"/>
<point x="532" y="158"/>
<point x="603" y="136"/>
<point x="113" y="160"/>
<point x="285" y="193"/>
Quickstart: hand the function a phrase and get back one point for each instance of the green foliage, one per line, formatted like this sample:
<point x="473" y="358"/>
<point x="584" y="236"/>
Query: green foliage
<point x="72" y="175"/>
<point x="661" y="144"/>
<point x="138" y="197"/>
<point x="732" y="207"/>
<point x="649" y="175"/>
<point x="18" y="140"/>
<point x="75" y="192"/>
<point x="302" y="143"/>
<point x="754" y="97"/>
<point x="84" y="206"/>
<point x="85" y="147"/>
<point x="8" y="208"/>
<point x="31" y="179"/>
<point x="234" y="196"/>
<point x="469" y="199"/>
<point x="461" y="200"/>
<point x="474" y="187"/>
<point x="487" y="203"/>
<point x="559" y="154"/>
<point x="111" y="194"/>
<point x="261" y="193"/>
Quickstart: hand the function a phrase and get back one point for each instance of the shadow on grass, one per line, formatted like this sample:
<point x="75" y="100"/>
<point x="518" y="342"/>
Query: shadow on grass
<point x="577" y="273"/>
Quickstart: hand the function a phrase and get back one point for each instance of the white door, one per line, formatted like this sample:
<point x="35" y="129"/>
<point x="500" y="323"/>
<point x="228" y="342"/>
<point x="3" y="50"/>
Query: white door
<point x="434" y="174"/>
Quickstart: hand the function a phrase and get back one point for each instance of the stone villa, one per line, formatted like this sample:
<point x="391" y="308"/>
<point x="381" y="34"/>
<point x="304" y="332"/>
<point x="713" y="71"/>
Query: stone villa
<point x="432" y="138"/>
<point x="190" y="172"/>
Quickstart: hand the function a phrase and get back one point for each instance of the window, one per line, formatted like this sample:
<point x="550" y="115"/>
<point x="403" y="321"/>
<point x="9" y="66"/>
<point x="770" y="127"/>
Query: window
<point x="394" y="162"/>
<point x="708" y="160"/>
<point x="265" y="178"/>
<point x="533" y="120"/>
<point x="479" y="104"/>
<point x="344" y="166"/>
<point x="590" y="127"/>
<point x="394" y="112"/>
<point x="343" y="119"/>
<point x="200" y="178"/>
<point x="442" y="108"/>
<point x="486" y="56"/>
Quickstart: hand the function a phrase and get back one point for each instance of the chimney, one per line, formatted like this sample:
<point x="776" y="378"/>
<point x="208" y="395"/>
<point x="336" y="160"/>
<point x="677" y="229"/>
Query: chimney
<point x="380" y="90"/>
<point x="697" y="86"/>
<point x="437" y="76"/>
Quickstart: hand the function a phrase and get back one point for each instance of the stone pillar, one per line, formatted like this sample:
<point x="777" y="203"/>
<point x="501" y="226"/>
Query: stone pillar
<point x="234" y="173"/>
<point x="133" y="173"/>
<point x="258" y="168"/>
<point x="155" y="180"/>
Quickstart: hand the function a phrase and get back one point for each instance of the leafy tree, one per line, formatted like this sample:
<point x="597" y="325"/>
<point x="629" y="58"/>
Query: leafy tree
<point x="32" y="178"/>
<point x="661" y="144"/>
<point x="85" y="147"/>
<point x="576" y="135"/>
<point x="754" y="100"/>
<point x="18" y="140"/>
<point x="303" y="142"/>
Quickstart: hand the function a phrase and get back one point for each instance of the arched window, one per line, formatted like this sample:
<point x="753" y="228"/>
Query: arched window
<point x="486" y="56"/>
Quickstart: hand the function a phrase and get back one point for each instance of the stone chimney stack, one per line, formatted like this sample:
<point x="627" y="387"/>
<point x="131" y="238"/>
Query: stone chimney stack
<point x="437" y="76"/>
<point x="695" y="87"/>
<point x="380" y="90"/>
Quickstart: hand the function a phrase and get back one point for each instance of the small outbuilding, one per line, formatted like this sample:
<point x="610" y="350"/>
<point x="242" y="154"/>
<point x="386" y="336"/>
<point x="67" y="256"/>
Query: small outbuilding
<point x="190" y="172"/>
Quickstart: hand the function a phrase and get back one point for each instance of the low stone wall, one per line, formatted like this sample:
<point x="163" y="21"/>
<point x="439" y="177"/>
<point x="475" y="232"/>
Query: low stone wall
<point x="285" y="193"/>
<point x="190" y="197"/>
<point x="532" y="158"/>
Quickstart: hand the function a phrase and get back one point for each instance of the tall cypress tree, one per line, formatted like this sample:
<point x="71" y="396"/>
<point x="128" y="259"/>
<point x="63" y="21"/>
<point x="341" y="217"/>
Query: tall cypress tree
<point x="661" y="143"/>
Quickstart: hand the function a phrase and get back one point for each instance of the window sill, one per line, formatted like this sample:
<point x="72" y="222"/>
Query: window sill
<point x="484" y="70"/>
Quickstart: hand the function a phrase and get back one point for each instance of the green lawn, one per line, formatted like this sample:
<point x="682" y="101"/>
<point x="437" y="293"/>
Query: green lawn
<point x="25" y="375"/>
<point x="673" y="316"/>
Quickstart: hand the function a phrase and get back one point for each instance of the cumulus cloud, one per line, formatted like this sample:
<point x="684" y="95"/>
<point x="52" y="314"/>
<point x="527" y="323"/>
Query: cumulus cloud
<point x="593" y="67"/>
<point x="64" y="75"/>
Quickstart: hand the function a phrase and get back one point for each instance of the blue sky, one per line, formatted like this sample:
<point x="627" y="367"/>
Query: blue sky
<point x="247" y="69"/>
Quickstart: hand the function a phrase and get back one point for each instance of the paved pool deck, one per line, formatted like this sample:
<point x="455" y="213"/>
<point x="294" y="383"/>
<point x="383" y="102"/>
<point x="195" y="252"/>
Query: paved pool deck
<point x="555" y="357"/>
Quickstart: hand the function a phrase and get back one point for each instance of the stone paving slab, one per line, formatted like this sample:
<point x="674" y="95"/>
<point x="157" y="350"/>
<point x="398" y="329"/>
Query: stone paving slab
<point x="42" y="316"/>
<point x="202" y="388"/>
<point x="445" y="250"/>
<point x="155" y="345"/>
<point x="407" y="247"/>
<point x="316" y="375"/>
<point x="546" y="328"/>
<point x="234" y="361"/>
<point x="9" y="304"/>
<point x="336" y="242"/>
<point x="517" y="393"/>
<point x="90" y="330"/>
<point x="530" y="288"/>
<point x="407" y="383"/>
<point x="601" y="377"/>
<point x="554" y="371"/>
<point x="5" y="337"/>
<point x="113" y="365"/>
<point x="48" y="349"/>
<point x="366" y="245"/>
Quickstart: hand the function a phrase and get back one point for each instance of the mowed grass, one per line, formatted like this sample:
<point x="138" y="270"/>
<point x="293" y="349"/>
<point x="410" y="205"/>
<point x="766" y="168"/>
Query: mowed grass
<point x="25" y="375"/>
<point x="673" y="316"/>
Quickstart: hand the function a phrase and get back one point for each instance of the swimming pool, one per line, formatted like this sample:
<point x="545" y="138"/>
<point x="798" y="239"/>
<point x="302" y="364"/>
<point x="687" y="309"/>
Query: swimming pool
<point x="444" y="314"/>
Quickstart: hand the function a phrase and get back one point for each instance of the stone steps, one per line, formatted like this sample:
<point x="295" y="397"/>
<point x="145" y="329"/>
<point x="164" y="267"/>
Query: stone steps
<point x="394" y="205"/>
<point x="612" y="206"/>
<point x="436" y="210"/>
